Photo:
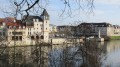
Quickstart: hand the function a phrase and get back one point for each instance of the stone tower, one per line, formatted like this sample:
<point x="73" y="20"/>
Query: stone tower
<point x="45" y="17"/>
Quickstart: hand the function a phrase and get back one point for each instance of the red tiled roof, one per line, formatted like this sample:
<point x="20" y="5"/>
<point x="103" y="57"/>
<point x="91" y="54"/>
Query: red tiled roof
<point x="1" y="19"/>
<point x="7" y="19"/>
<point x="10" y="21"/>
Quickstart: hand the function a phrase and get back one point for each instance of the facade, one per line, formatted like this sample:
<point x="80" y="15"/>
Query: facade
<point x="38" y="27"/>
<point x="89" y="29"/>
<point x="53" y="28"/>
<point x="106" y="29"/>
<point x="33" y="28"/>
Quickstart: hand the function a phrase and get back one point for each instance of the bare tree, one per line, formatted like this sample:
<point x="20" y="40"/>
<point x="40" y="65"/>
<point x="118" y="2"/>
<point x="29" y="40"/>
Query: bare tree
<point x="21" y="7"/>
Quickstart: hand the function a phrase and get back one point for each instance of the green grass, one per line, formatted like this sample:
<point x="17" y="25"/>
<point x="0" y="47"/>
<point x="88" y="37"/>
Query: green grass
<point x="114" y="37"/>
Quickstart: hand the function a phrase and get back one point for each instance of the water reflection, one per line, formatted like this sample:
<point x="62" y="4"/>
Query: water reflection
<point x="89" y="54"/>
<point x="112" y="55"/>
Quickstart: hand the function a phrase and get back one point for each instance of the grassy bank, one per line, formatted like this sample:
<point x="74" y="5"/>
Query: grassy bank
<point x="114" y="37"/>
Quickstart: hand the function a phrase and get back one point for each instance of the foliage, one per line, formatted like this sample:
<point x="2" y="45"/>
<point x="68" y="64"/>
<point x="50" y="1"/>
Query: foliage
<point x="114" y="37"/>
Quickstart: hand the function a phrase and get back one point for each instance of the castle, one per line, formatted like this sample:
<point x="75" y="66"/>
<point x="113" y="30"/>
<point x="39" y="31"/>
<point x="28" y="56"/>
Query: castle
<point x="24" y="32"/>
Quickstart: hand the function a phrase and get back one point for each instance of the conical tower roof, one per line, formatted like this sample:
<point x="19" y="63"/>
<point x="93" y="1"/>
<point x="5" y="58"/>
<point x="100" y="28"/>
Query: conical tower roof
<point x="44" y="13"/>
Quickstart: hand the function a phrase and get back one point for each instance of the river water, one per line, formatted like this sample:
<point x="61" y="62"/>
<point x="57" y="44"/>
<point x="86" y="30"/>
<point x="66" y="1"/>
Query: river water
<point x="90" y="54"/>
<point x="112" y="54"/>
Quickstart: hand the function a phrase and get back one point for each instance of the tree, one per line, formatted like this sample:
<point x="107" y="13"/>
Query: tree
<point x="21" y="7"/>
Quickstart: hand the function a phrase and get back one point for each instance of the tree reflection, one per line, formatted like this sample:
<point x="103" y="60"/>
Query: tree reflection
<point x="88" y="54"/>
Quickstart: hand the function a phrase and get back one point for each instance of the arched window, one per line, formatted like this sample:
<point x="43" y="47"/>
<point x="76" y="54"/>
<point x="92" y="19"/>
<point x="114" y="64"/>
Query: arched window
<point x="32" y="37"/>
<point x="42" y="37"/>
<point x="37" y="37"/>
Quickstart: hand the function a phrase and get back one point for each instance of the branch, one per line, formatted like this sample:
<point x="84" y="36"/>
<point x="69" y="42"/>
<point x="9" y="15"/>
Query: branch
<point x="32" y="5"/>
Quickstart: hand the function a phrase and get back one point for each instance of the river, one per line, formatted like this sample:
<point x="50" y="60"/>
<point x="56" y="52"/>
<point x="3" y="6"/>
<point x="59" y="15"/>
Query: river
<point x="90" y="54"/>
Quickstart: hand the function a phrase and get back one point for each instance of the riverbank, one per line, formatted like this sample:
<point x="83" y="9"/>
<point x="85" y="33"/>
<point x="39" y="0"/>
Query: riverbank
<point x="112" y="38"/>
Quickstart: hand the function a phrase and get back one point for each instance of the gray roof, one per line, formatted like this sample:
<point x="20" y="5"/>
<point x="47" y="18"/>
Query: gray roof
<point x="102" y="24"/>
<point x="28" y="20"/>
<point x="44" y="13"/>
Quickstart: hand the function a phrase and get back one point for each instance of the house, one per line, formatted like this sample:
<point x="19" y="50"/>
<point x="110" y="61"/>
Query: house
<point x="37" y="27"/>
<point x="31" y="29"/>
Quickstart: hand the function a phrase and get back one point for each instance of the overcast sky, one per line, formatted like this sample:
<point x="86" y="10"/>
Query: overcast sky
<point x="104" y="11"/>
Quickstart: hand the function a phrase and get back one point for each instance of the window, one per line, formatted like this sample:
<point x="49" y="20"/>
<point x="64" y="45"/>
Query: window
<point x="40" y="24"/>
<point x="20" y="38"/>
<point x="37" y="20"/>
<point x="42" y="37"/>
<point x="32" y="37"/>
<point x="30" y="33"/>
<point x="34" y="20"/>
<point x="13" y="38"/>
<point x="10" y="33"/>
<point x="37" y="37"/>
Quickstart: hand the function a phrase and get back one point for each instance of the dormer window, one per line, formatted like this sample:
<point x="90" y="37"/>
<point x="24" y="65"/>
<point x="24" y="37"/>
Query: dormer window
<point x="23" y="26"/>
<point x="10" y="27"/>
<point x="46" y="17"/>
<point x="37" y="20"/>
<point x="19" y="27"/>
<point x="33" y="20"/>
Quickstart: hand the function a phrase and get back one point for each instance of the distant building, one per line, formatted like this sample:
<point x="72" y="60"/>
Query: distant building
<point x="67" y="30"/>
<point x="106" y="29"/>
<point x="53" y="28"/>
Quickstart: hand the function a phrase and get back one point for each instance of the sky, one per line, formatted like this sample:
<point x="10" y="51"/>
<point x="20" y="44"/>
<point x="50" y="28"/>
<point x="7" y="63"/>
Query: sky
<point x="104" y="11"/>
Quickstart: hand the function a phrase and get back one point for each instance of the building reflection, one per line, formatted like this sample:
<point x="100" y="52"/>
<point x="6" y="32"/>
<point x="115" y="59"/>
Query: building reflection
<point x="89" y="54"/>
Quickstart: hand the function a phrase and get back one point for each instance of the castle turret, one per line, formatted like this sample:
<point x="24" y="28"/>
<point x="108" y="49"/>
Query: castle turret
<point x="45" y="18"/>
<point x="44" y="15"/>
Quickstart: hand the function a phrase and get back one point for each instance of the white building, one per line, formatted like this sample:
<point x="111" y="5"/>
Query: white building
<point x="34" y="28"/>
<point x="106" y="29"/>
<point x="53" y="28"/>
<point x="37" y="27"/>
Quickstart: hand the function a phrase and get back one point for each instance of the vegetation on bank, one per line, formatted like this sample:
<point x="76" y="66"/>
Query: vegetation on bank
<point x="114" y="37"/>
